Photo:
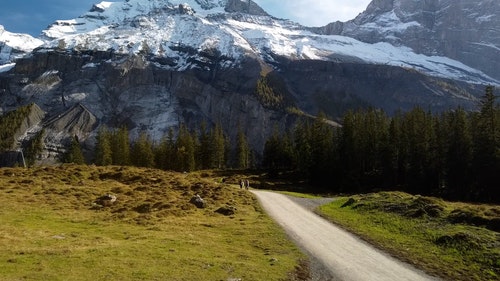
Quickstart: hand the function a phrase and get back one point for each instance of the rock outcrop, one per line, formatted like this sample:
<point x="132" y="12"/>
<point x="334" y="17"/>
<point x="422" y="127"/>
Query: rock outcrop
<point x="105" y="200"/>
<point x="198" y="202"/>
<point x="248" y="7"/>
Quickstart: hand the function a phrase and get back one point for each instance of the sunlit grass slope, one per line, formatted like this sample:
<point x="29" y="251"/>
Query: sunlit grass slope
<point x="456" y="241"/>
<point x="51" y="228"/>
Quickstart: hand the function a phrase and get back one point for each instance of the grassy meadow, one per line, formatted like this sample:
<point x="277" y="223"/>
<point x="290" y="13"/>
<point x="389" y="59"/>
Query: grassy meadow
<point x="52" y="229"/>
<point x="456" y="241"/>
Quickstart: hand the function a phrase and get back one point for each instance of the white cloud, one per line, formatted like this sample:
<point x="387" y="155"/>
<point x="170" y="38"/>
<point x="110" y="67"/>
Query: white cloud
<point x="314" y="12"/>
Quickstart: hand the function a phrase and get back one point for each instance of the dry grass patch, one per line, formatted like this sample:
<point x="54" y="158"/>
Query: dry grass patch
<point x="53" y="229"/>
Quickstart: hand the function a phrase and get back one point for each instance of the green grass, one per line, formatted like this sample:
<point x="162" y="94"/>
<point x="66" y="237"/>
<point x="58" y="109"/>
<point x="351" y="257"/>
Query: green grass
<point x="423" y="231"/>
<point x="300" y="195"/>
<point x="52" y="230"/>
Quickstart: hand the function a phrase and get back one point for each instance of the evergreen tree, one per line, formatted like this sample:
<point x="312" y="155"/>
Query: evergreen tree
<point x="185" y="153"/>
<point x="486" y="159"/>
<point x="396" y="164"/>
<point x="459" y="156"/>
<point x="278" y="153"/>
<point x="74" y="154"/>
<point x="103" y="152"/>
<point x="120" y="147"/>
<point x="242" y="150"/>
<point x="302" y="148"/>
<point x="205" y="150"/>
<point x="349" y="153"/>
<point x="419" y="132"/>
<point x="142" y="151"/>
<point x="165" y="152"/>
<point x="322" y="149"/>
<point x="219" y="147"/>
<point x="270" y="154"/>
<point x="170" y="151"/>
<point x="34" y="147"/>
<point x="373" y="150"/>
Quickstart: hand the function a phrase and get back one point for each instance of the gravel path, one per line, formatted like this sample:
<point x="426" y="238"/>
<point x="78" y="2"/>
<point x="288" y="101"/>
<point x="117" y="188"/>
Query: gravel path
<point x="336" y="254"/>
<point x="310" y="203"/>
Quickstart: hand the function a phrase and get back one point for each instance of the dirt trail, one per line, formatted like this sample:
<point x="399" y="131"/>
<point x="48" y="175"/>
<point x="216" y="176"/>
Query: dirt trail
<point x="345" y="256"/>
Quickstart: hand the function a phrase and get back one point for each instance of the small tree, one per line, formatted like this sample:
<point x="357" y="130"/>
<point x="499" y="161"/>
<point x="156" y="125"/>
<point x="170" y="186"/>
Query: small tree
<point x="75" y="154"/>
<point x="242" y="150"/>
<point x="120" y="147"/>
<point x="103" y="152"/>
<point x="218" y="147"/>
<point x="185" y="153"/>
<point x="486" y="159"/>
<point x="35" y="146"/>
<point x="142" y="151"/>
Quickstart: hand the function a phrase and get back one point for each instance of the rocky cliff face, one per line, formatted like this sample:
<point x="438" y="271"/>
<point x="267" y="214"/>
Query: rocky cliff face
<point x="80" y="94"/>
<point x="84" y="91"/>
<point x="464" y="30"/>
<point x="334" y="88"/>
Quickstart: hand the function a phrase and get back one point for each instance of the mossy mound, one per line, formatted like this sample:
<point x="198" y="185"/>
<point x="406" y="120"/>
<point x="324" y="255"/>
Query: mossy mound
<point x="484" y="216"/>
<point x="400" y="203"/>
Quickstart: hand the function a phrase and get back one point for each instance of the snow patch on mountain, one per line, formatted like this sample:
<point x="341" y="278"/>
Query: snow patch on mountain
<point x="390" y="23"/>
<point x="15" y="45"/>
<point x="463" y="30"/>
<point x="19" y="41"/>
<point x="7" y="67"/>
<point x="300" y="44"/>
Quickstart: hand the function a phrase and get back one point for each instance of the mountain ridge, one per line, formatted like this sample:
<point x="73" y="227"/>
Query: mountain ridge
<point x="464" y="30"/>
<point x="132" y="27"/>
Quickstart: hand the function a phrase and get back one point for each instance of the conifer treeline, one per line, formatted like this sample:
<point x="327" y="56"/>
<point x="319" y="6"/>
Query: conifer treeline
<point x="186" y="151"/>
<point x="455" y="155"/>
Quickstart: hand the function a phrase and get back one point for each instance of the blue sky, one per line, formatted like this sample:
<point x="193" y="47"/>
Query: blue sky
<point x="32" y="16"/>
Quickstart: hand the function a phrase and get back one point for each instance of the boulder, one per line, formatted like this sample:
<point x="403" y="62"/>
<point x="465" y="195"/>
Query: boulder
<point x="198" y="201"/>
<point x="226" y="210"/>
<point x="106" y="200"/>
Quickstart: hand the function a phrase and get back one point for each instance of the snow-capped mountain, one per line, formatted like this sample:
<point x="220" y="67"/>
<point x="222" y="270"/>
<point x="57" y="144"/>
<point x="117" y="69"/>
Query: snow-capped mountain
<point x="153" y="64"/>
<point x="463" y="30"/>
<point x="159" y="27"/>
<point x="14" y="46"/>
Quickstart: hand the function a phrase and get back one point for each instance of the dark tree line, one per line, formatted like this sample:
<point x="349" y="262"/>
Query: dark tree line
<point x="185" y="151"/>
<point x="455" y="155"/>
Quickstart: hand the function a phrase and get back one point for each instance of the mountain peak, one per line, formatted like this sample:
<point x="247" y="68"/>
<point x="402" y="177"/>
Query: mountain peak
<point x="117" y="13"/>
<point x="244" y="6"/>
<point x="463" y="30"/>
<point x="15" y="45"/>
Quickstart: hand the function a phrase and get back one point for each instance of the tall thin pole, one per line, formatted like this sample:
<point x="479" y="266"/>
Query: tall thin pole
<point x="22" y="156"/>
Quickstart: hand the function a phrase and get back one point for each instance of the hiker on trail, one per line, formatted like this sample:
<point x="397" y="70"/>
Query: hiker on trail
<point x="247" y="184"/>
<point x="242" y="184"/>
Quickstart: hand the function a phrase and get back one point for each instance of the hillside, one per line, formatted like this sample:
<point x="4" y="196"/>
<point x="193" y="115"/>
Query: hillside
<point x="53" y="228"/>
